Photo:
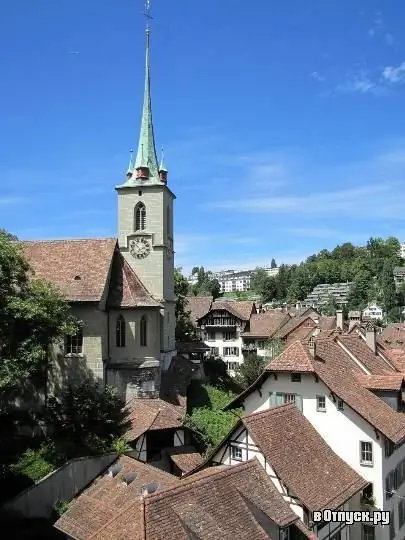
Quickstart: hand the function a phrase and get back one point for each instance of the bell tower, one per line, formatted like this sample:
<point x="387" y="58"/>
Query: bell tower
<point x="145" y="218"/>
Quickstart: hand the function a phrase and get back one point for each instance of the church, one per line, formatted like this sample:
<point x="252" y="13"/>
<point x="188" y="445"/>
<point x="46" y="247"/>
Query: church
<point x="122" y="289"/>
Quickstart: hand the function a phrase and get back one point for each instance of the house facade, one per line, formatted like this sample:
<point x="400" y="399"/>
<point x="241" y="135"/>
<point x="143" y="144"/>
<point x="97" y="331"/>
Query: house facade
<point x="372" y="312"/>
<point x="352" y="396"/>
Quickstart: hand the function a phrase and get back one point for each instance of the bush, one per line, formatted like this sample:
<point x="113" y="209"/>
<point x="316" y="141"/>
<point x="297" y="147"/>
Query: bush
<point x="211" y="426"/>
<point x="34" y="464"/>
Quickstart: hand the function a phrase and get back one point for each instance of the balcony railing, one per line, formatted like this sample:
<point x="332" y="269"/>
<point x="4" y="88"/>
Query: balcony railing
<point x="225" y="322"/>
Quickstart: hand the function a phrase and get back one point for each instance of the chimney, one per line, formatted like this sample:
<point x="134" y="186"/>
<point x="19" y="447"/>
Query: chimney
<point x="371" y="338"/>
<point x="339" y="318"/>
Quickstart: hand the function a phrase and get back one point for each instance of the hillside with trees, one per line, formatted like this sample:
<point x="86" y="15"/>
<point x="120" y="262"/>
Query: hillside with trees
<point x="369" y="268"/>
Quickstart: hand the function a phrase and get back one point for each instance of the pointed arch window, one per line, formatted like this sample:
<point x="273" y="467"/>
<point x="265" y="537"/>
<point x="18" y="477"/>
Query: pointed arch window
<point x="143" y="331"/>
<point x="120" y="331"/>
<point x="140" y="217"/>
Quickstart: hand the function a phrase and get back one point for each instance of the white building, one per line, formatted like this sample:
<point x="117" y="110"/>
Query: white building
<point x="372" y="311"/>
<point x="289" y="449"/>
<point x="352" y="395"/>
<point x="402" y="250"/>
<point x="221" y="328"/>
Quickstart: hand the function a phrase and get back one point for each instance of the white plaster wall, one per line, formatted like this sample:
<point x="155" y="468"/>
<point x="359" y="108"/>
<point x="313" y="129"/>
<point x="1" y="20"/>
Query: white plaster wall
<point x="342" y="430"/>
<point x="250" y="450"/>
<point x="220" y="343"/>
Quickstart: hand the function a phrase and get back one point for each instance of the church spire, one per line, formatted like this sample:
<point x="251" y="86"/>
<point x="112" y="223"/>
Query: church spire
<point x="146" y="163"/>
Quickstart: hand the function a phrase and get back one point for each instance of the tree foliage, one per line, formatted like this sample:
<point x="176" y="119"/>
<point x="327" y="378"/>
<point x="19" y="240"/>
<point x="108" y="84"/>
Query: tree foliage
<point x="250" y="370"/>
<point x="206" y="284"/>
<point x="185" y="330"/>
<point x="368" y="267"/>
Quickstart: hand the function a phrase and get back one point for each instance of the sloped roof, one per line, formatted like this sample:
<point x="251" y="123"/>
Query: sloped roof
<point x="302" y="459"/>
<point x="397" y="358"/>
<point x="222" y="504"/>
<point x="291" y="325"/>
<point x="231" y="307"/>
<point x="327" y="322"/>
<point x="295" y="358"/>
<point x="264" y="325"/>
<point x="393" y="336"/>
<point x="382" y="382"/>
<point x="185" y="457"/>
<point x="108" y="501"/>
<point x="359" y="348"/>
<point x="78" y="268"/>
<point x="245" y="308"/>
<point x="198" y="306"/>
<point x="151" y="414"/>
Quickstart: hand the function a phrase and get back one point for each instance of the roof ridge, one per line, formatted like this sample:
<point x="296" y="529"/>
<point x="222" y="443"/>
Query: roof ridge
<point x="190" y="482"/>
<point x="57" y="240"/>
<point x="271" y="411"/>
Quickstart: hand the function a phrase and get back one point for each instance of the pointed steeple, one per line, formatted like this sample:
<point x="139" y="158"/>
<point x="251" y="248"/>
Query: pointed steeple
<point x="146" y="163"/>
<point x="162" y="168"/>
<point x="130" y="169"/>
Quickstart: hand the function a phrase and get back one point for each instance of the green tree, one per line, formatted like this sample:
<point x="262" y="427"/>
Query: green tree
<point x="330" y="307"/>
<point x="87" y="419"/>
<point x="206" y="284"/>
<point x="388" y="285"/>
<point x="185" y="330"/>
<point x="251" y="368"/>
<point x="359" y="294"/>
<point x="33" y="316"/>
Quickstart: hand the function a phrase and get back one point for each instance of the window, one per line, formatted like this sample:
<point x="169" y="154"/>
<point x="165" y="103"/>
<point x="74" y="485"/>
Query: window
<point x="282" y="399"/>
<point x="340" y="404"/>
<point x="120" y="332"/>
<point x="144" y="331"/>
<point x="232" y="366"/>
<point x="366" y="453"/>
<point x="148" y="386"/>
<point x="285" y="534"/>
<point x="229" y="336"/>
<point x="236" y="453"/>
<point x="321" y="403"/>
<point x="140" y="217"/>
<point x="368" y="532"/>
<point x="211" y="336"/>
<point x="231" y="351"/>
<point x="74" y="344"/>
<point x="295" y="377"/>
<point x="214" y="351"/>
<point x="168" y="223"/>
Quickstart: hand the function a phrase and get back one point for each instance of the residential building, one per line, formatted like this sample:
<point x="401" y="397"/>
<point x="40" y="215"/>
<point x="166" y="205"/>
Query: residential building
<point x="234" y="280"/>
<point x="136" y="501"/>
<point x="402" y="250"/>
<point x="351" y="392"/>
<point x="221" y="328"/>
<point x="399" y="275"/>
<point x="304" y="469"/>
<point x="322" y="293"/>
<point x="372" y="312"/>
<point x="262" y="327"/>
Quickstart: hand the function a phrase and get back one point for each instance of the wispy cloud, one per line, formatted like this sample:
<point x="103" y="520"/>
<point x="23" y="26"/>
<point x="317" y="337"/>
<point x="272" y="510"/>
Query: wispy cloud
<point x="317" y="77"/>
<point x="359" y="83"/>
<point x="394" y="74"/>
<point x="12" y="201"/>
<point x="378" y="29"/>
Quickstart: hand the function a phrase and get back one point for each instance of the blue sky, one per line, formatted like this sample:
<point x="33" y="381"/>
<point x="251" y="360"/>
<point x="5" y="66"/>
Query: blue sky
<point x="283" y="122"/>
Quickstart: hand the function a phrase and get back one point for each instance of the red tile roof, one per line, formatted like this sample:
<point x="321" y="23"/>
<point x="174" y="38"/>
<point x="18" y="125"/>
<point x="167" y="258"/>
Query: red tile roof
<point x="151" y="414"/>
<point x="198" y="306"/>
<point x="382" y="382"/>
<point x="393" y="336"/>
<point x="103" y="509"/>
<point x="264" y="325"/>
<point x="232" y="307"/>
<point x="186" y="458"/>
<point x="291" y="325"/>
<point x="295" y="358"/>
<point x="301" y="458"/>
<point x="224" y="504"/>
<point x="356" y="345"/>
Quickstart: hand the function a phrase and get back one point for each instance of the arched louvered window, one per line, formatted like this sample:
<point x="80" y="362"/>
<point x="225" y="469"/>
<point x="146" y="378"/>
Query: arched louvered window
<point x="140" y="217"/>
<point x="143" y="331"/>
<point x="168" y="222"/>
<point x="120" y="332"/>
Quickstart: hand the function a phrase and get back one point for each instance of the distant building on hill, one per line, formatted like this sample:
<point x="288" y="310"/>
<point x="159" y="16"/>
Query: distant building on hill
<point x="372" y="311"/>
<point x="402" y="250"/>
<point x="234" y="280"/>
<point x="322" y="293"/>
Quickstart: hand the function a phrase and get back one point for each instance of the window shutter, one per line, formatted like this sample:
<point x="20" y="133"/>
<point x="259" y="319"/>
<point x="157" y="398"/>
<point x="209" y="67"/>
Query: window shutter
<point x="279" y="399"/>
<point x="272" y="399"/>
<point x="298" y="402"/>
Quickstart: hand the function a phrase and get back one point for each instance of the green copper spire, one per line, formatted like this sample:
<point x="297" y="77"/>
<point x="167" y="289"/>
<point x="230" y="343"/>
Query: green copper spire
<point x="162" y="166"/>
<point x="146" y="155"/>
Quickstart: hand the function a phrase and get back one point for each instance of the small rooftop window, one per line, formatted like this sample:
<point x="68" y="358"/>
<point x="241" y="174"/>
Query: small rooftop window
<point x="129" y="478"/>
<point x="148" y="489"/>
<point x="115" y="469"/>
<point x="77" y="278"/>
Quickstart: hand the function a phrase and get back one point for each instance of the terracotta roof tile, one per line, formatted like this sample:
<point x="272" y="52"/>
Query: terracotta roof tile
<point x="206" y="505"/>
<point x="397" y="358"/>
<point x="295" y="358"/>
<point x="356" y="345"/>
<point x="337" y="370"/>
<point x="198" y="306"/>
<point x="302" y="459"/>
<point x="393" y="336"/>
<point x="92" y="514"/>
<point x="327" y="323"/>
<point x="185" y="457"/>
<point x="232" y="307"/>
<point x="291" y="325"/>
<point x="78" y="268"/>
<point x="150" y="414"/>
<point x="382" y="382"/>
<point x="264" y="325"/>
<point x="245" y="307"/>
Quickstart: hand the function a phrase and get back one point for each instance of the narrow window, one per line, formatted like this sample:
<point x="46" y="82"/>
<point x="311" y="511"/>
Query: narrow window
<point x="295" y="377"/>
<point x="144" y="331"/>
<point x="368" y="532"/>
<point x="340" y="404"/>
<point x="236" y="453"/>
<point x="366" y="453"/>
<point x="140" y="217"/>
<point x="120" y="332"/>
<point x="168" y="222"/>
<point x="321" y="403"/>
<point x="74" y="344"/>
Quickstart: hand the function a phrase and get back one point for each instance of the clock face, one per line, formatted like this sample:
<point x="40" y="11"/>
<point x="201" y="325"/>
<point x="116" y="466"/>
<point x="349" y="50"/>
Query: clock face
<point x="139" y="248"/>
